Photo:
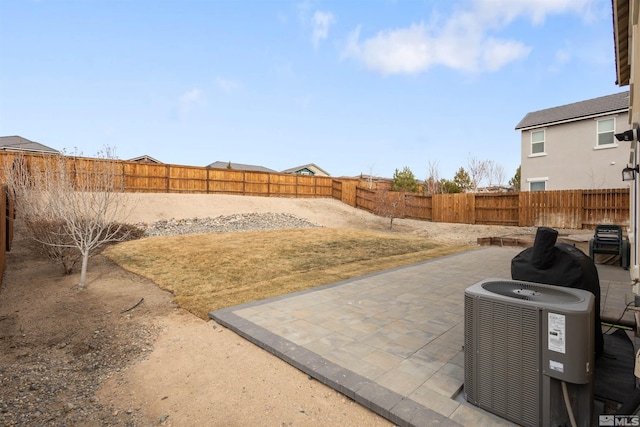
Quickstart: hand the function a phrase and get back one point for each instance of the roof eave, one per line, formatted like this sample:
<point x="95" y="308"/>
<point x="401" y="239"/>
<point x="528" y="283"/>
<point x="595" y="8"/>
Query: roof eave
<point x="621" y="39"/>
<point x="573" y="119"/>
<point x="31" y="150"/>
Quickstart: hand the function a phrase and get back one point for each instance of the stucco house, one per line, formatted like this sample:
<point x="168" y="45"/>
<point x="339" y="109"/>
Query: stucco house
<point x="573" y="146"/>
<point x="18" y="143"/>
<point x="308" y="169"/>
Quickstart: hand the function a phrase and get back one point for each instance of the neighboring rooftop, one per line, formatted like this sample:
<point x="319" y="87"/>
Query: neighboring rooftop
<point x="618" y="102"/>
<point x="145" y="159"/>
<point x="18" y="143"/>
<point x="239" y="166"/>
<point x="308" y="169"/>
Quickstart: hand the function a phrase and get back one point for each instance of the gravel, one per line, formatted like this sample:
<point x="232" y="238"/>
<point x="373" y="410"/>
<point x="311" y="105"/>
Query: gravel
<point x="225" y="224"/>
<point x="56" y="386"/>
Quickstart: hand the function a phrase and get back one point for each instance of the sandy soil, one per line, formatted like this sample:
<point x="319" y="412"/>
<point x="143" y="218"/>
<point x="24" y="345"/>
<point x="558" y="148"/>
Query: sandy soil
<point x="157" y="364"/>
<point x="324" y="212"/>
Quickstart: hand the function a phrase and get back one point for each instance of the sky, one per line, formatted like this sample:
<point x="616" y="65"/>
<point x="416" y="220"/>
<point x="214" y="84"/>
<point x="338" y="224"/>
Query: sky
<point x="353" y="86"/>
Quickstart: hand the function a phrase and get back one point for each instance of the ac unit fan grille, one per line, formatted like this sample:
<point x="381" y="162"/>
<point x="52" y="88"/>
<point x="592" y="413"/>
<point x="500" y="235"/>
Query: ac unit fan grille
<point x="505" y="336"/>
<point x="531" y="292"/>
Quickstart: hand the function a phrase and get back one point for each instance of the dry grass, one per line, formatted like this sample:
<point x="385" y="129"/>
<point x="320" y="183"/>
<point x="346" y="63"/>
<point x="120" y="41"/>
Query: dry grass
<point x="211" y="271"/>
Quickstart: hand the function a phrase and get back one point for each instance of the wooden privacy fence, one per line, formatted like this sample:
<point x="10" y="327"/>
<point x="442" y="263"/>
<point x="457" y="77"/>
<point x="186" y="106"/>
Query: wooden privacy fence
<point x="148" y="177"/>
<point x="166" y="178"/>
<point x="560" y="209"/>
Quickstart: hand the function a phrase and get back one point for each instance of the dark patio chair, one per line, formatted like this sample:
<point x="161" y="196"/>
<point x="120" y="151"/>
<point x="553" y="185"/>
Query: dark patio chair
<point x="608" y="239"/>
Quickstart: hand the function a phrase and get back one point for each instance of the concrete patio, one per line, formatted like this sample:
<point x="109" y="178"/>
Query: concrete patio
<point x="393" y="340"/>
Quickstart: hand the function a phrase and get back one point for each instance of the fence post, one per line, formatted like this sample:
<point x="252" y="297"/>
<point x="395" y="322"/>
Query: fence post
<point x="167" y="175"/>
<point x="580" y="208"/>
<point x="472" y="208"/>
<point x="10" y="217"/>
<point x="4" y="231"/>
<point x="521" y="212"/>
<point x="124" y="181"/>
<point x="436" y="203"/>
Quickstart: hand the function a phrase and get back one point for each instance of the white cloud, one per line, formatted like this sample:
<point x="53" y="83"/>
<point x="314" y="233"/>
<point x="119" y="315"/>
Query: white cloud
<point x="562" y="57"/>
<point x="505" y="11"/>
<point x="227" y="85"/>
<point x="321" y="23"/>
<point x="282" y="18"/>
<point x="412" y="50"/>
<point x="400" y="51"/>
<point x="498" y="53"/>
<point x="462" y="41"/>
<point x="284" y="70"/>
<point x="189" y="100"/>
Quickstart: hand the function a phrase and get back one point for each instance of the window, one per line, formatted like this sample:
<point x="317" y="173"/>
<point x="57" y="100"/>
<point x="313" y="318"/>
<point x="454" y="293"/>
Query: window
<point x="606" y="127"/>
<point x="537" y="185"/>
<point x="537" y="142"/>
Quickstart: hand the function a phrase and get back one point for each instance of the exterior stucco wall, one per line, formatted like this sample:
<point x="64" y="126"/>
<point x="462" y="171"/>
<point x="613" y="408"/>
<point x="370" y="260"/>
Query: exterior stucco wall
<point x="571" y="160"/>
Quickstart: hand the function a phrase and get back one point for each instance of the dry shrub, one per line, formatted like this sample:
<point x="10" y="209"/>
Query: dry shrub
<point x="53" y="242"/>
<point x="124" y="232"/>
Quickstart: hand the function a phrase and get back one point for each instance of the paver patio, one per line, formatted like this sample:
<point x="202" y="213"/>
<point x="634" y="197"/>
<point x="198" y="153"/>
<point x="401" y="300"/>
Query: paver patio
<point x="393" y="341"/>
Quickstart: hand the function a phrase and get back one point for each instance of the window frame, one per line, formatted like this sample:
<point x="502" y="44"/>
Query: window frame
<point x="613" y="142"/>
<point x="543" y="142"/>
<point x="538" y="180"/>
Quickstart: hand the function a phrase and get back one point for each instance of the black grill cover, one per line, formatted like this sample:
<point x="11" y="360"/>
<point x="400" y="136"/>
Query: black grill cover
<point x="559" y="264"/>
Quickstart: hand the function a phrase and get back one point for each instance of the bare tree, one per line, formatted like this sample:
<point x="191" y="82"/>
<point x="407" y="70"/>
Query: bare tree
<point x="432" y="184"/>
<point x="370" y="177"/>
<point x="597" y="180"/>
<point x="389" y="204"/>
<point x="71" y="205"/>
<point x="478" y="171"/>
<point x="495" y="173"/>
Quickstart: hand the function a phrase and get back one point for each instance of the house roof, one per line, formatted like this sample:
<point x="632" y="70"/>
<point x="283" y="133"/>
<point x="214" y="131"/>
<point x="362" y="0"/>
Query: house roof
<point x="307" y="166"/>
<point x="577" y="111"/>
<point x="239" y="166"/>
<point x="145" y="158"/>
<point x="621" y="39"/>
<point x="19" y="143"/>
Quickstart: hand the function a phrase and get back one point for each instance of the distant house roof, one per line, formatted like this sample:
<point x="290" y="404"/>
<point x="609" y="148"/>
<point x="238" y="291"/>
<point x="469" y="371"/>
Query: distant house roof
<point x="365" y="177"/>
<point x="239" y="166"/>
<point x="310" y="169"/>
<point x="145" y="159"/>
<point x="618" y="102"/>
<point x="18" y="143"/>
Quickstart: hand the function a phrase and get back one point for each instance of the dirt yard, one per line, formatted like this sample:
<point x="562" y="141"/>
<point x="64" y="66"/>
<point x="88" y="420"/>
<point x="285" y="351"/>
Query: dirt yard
<point x="121" y="353"/>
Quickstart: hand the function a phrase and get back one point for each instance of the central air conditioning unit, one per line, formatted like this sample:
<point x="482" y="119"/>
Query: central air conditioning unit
<point x="529" y="352"/>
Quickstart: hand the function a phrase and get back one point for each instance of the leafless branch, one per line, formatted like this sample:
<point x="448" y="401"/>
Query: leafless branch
<point x="389" y="204"/>
<point x="70" y="204"/>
